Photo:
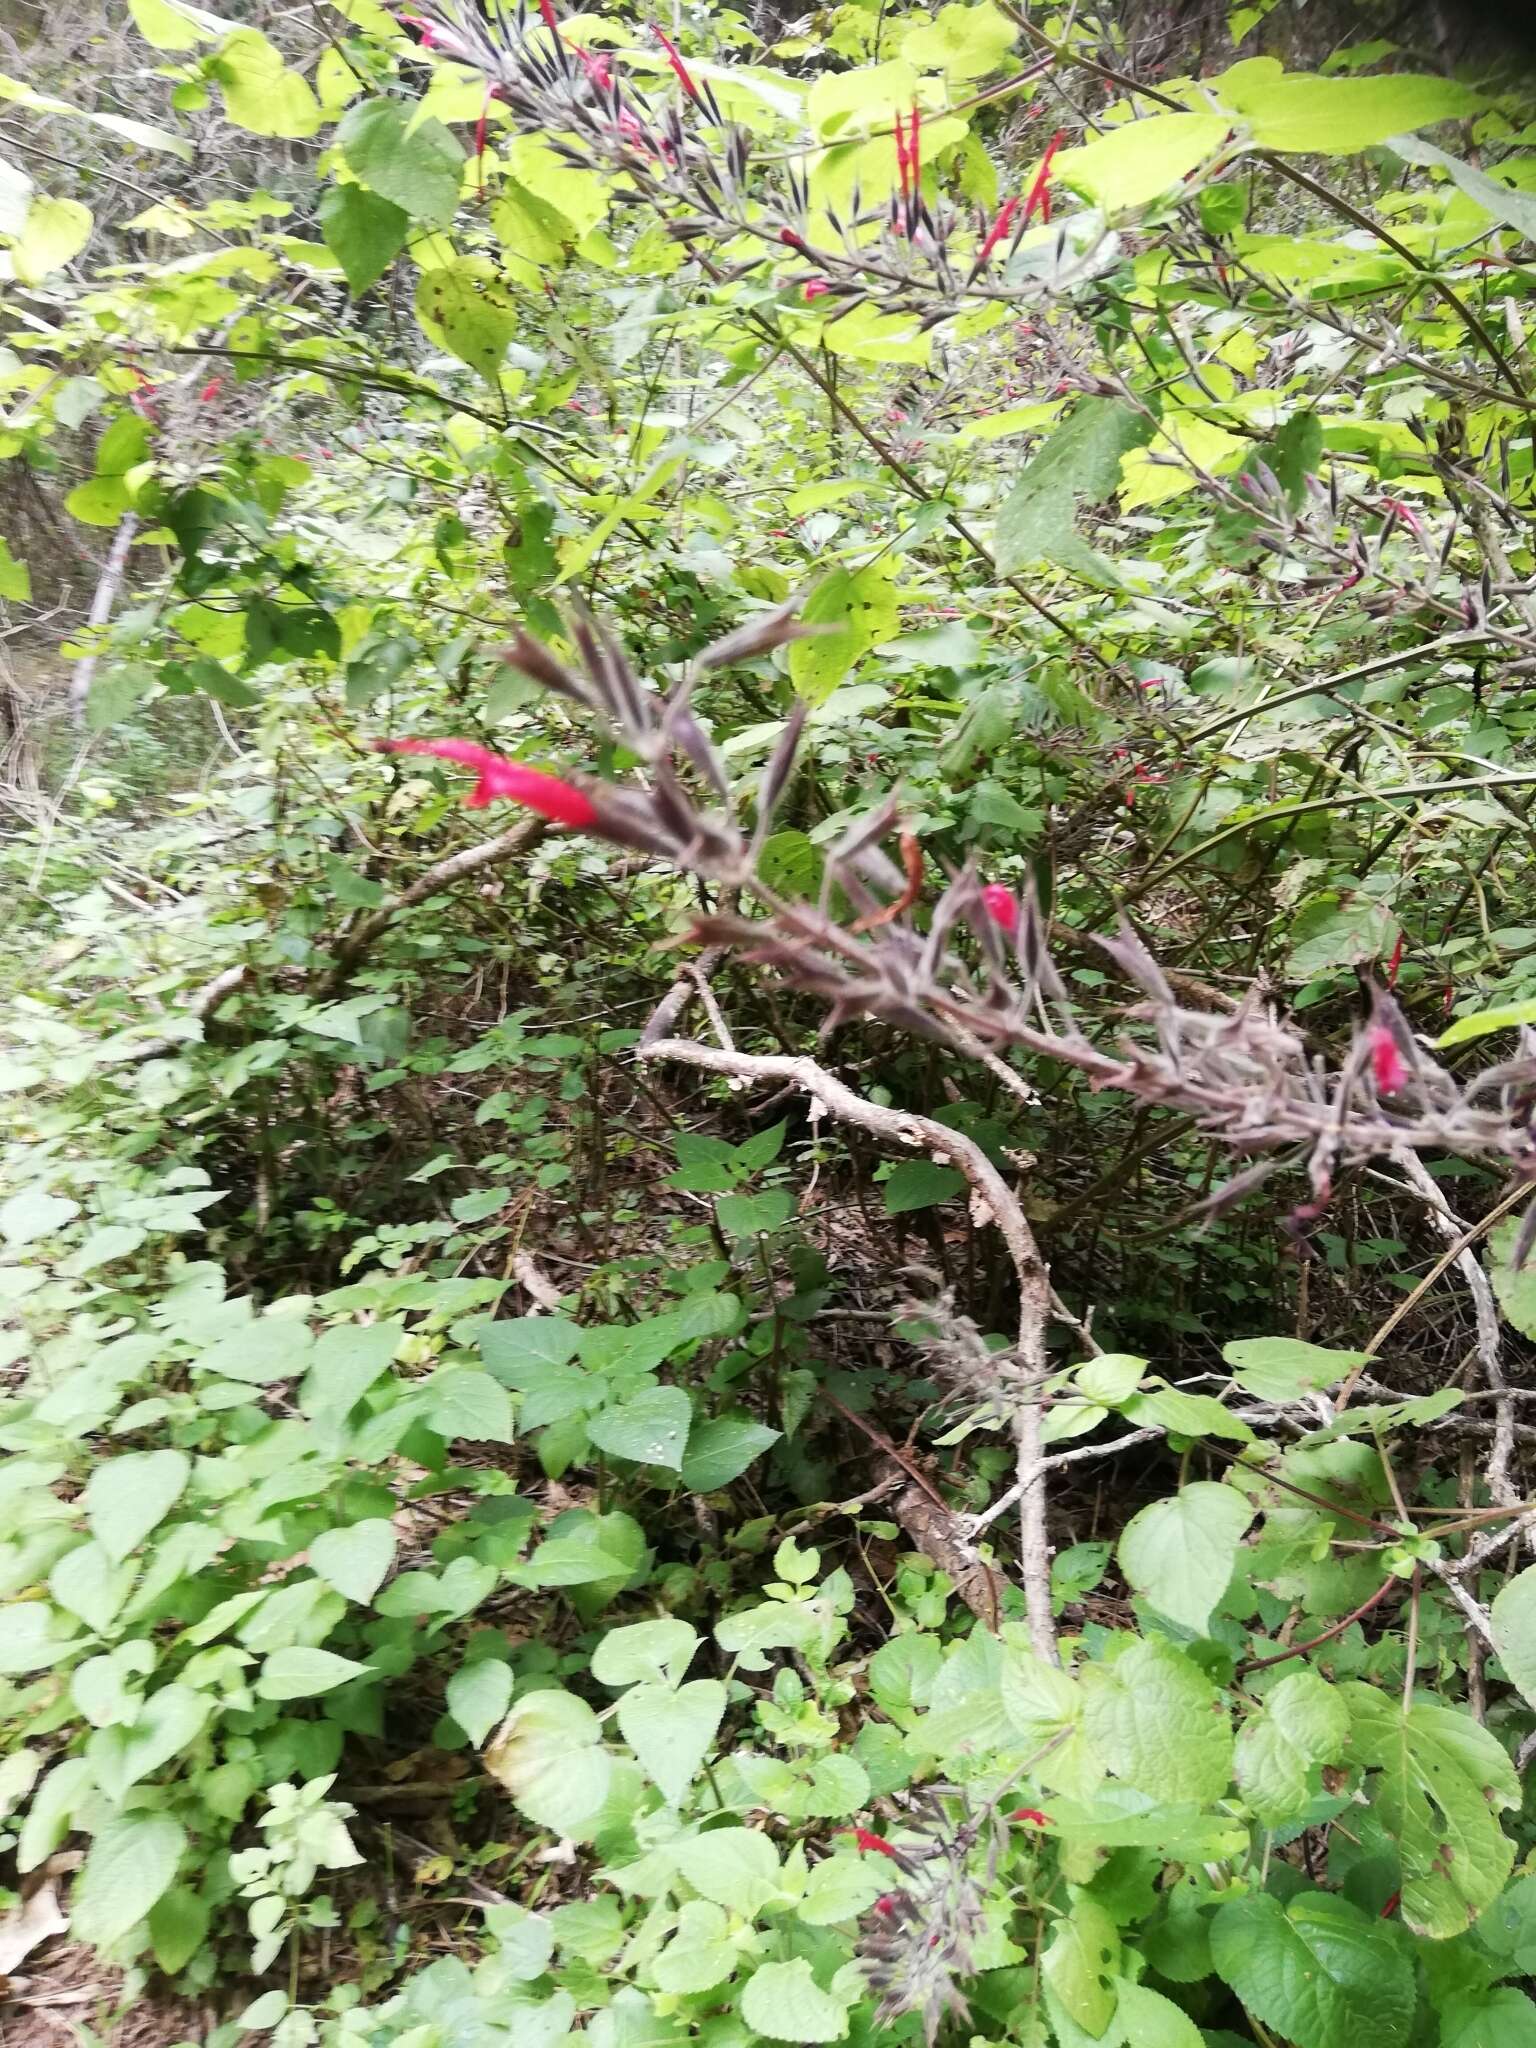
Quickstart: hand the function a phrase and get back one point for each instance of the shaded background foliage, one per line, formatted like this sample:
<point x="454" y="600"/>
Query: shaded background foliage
<point x="321" y="1176"/>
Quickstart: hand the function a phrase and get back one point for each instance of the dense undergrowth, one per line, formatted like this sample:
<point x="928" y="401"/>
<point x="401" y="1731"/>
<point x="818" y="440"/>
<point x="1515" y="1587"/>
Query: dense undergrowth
<point x="859" y="1371"/>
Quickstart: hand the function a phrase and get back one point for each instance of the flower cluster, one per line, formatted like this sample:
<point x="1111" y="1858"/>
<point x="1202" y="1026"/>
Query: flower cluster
<point x="1242" y="1074"/>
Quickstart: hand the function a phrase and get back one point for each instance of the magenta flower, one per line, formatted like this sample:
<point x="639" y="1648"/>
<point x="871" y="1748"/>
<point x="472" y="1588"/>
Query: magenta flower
<point x="1002" y="906"/>
<point x="1387" y="1062"/>
<point x="498" y="779"/>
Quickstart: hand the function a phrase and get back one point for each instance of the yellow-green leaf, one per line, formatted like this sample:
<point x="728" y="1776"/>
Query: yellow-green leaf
<point x="56" y="231"/>
<point x="1135" y="164"/>
<point x="173" y="25"/>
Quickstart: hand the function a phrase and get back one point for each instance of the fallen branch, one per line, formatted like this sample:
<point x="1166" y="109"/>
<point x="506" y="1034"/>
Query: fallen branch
<point x="101" y="611"/>
<point x="1486" y="1312"/>
<point x="200" y="1004"/>
<point x="350" y="946"/>
<point x="992" y="1201"/>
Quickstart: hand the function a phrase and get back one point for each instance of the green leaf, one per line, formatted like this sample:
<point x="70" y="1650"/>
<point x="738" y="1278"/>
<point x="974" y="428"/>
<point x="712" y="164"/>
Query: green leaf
<point x="860" y="609"/>
<point x="651" y="1427"/>
<point x="1502" y="2018"/>
<point x="1222" y="208"/>
<point x="1303" y="1723"/>
<point x="783" y="2002"/>
<point x="355" y="1559"/>
<point x="364" y="231"/>
<point x="753" y="1215"/>
<point x="1180" y="1553"/>
<point x="721" y="1450"/>
<point x="88" y="1582"/>
<point x="840" y="1888"/>
<point x="1149" y="2020"/>
<point x="1183" y="1414"/>
<point x="962" y="42"/>
<point x="56" y="231"/>
<point x="737" y="1868"/>
<point x="1045" y="1705"/>
<point x="302" y="1674"/>
<point x="671" y="1731"/>
<point x="168" y="1722"/>
<point x="1443" y="1779"/>
<point x="1338" y="933"/>
<point x="178" y="1927"/>
<point x="1302" y="113"/>
<point x="271" y="1348"/>
<point x="33" y="1214"/>
<point x="1507" y="203"/>
<point x="171" y="25"/>
<point x="15" y="578"/>
<point x="1515" y="1286"/>
<point x="1320" y="1972"/>
<point x="129" y="1495"/>
<point x="521" y="1344"/>
<point x="1079" y="1966"/>
<point x="131" y="1864"/>
<point x="347" y="1360"/>
<point x="1514" y="1631"/>
<point x="1080" y="463"/>
<point x="658" y="1652"/>
<point x="418" y="169"/>
<point x="478" y="1696"/>
<point x="1506" y="1017"/>
<point x="1140" y="160"/>
<point x="472" y="317"/>
<point x="1154" y="1717"/>
<point x="919" y="1184"/>
<point x="700" y="1955"/>
<point x="790" y="864"/>
<point x="261" y="94"/>
<point x="1285" y="1368"/>
<point x="462" y="1403"/>
<point x="31" y="1637"/>
<point x="549" y="1756"/>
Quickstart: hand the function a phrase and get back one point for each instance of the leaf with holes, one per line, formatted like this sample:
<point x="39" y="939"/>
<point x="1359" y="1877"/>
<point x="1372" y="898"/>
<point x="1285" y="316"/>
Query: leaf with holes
<point x="1442" y="1781"/>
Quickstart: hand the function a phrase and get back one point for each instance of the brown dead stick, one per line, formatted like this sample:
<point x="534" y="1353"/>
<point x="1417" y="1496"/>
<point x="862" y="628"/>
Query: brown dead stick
<point x="939" y="1534"/>
<point x="878" y="1436"/>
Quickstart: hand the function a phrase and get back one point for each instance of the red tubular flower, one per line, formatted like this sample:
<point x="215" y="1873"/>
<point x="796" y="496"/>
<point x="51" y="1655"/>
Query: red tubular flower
<point x="998" y="229"/>
<point x="547" y="13"/>
<point x="1406" y="514"/>
<point x="1387" y="1062"/>
<point x="816" y="288"/>
<point x="210" y="391"/>
<point x="885" y="1905"/>
<point x="1032" y="1814"/>
<point x="599" y="69"/>
<point x="1395" y="962"/>
<point x="872" y="1845"/>
<point x="680" y="69"/>
<point x="1002" y="906"/>
<point x="498" y="778"/>
<point x="1039" y="198"/>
